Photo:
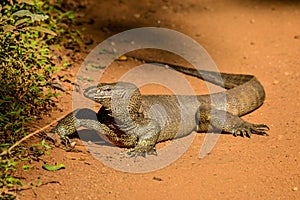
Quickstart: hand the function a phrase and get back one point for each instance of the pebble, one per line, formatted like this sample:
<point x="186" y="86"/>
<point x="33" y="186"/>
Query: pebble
<point x="297" y="37"/>
<point x="88" y="41"/>
<point x="73" y="144"/>
<point x="275" y="82"/>
<point x="295" y="188"/>
<point x="122" y="58"/>
<point x="157" y="178"/>
<point x="137" y="15"/>
<point x="252" y="21"/>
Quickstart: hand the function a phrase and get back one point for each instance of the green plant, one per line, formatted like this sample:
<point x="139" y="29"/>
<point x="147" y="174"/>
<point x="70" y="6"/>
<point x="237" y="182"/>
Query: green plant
<point x="28" y="30"/>
<point x="7" y="181"/>
<point x="25" y="68"/>
<point x="42" y="148"/>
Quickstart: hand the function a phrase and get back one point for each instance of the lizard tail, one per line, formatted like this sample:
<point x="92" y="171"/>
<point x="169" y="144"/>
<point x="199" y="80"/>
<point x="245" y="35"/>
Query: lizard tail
<point x="224" y="80"/>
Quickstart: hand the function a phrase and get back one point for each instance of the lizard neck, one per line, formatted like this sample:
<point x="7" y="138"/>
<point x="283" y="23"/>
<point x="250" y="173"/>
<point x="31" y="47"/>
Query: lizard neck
<point x="125" y="109"/>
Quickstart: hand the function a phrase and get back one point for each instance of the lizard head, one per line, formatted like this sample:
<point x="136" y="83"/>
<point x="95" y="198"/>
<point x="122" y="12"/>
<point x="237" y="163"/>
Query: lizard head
<point x="118" y="93"/>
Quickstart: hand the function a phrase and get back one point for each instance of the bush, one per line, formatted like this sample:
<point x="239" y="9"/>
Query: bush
<point x="26" y="31"/>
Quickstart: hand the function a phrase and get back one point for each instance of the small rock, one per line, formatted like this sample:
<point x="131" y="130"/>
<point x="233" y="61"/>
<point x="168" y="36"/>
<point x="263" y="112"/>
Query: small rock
<point x="73" y="144"/>
<point x="157" y="178"/>
<point x="252" y="21"/>
<point x="122" y="58"/>
<point x="286" y="73"/>
<point x="297" y="37"/>
<point x="275" y="82"/>
<point x="87" y="163"/>
<point x="137" y="15"/>
<point x="295" y="188"/>
<point x="88" y="41"/>
<point x="207" y="8"/>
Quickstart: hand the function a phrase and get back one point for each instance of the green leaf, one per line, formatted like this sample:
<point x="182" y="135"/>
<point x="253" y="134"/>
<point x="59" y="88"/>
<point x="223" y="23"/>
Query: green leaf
<point x="8" y="28"/>
<point x="42" y="29"/>
<point x="27" y="13"/>
<point x="12" y="180"/>
<point x="22" y="13"/>
<point x="53" y="167"/>
<point x="26" y="167"/>
<point x="38" y="18"/>
<point x="29" y="2"/>
<point x="21" y="21"/>
<point x="44" y="144"/>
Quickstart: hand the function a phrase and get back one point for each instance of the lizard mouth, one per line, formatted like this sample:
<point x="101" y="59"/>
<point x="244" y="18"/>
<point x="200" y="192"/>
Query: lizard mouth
<point x="94" y="93"/>
<point x="91" y="92"/>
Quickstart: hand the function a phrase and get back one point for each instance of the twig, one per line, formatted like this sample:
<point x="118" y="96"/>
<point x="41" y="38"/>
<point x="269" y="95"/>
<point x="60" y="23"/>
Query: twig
<point x="30" y="187"/>
<point x="30" y="135"/>
<point x="26" y="187"/>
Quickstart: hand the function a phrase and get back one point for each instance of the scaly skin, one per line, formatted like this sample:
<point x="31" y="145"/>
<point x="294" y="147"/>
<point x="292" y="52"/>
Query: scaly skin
<point x="129" y="119"/>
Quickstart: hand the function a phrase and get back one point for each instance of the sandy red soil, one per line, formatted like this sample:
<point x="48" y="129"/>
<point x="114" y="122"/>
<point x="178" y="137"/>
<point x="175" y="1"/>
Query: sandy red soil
<point x="253" y="37"/>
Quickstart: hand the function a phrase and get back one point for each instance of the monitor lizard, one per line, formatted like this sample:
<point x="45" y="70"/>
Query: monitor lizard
<point x="129" y="119"/>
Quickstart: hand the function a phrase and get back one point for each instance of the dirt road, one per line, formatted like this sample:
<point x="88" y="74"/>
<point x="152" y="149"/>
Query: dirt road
<point x="254" y="37"/>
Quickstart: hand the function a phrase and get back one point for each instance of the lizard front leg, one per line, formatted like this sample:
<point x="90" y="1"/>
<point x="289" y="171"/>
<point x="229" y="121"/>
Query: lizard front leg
<point x="212" y="119"/>
<point x="147" y="133"/>
<point x="80" y="117"/>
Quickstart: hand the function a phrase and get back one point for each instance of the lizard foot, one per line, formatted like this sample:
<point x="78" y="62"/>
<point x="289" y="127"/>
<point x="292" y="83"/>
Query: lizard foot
<point x="141" y="151"/>
<point x="65" y="140"/>
<point x="247" y="129"/>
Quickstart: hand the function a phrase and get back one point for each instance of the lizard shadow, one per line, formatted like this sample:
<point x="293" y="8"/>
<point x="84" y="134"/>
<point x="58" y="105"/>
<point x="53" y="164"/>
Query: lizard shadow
<point x="87" y="135"/>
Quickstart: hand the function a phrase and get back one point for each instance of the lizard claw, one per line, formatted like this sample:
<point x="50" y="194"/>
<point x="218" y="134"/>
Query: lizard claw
<point x="141" y="151"/>
<point x="131" y="153"/>
<point x="259" y="129"/>
<point x="66" y="140"/>
<point x="248" y="129"/>
<point x="152" y="151"/>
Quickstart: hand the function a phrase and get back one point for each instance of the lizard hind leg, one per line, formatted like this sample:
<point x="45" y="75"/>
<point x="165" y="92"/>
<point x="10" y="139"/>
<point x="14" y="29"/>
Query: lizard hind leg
<point x="213" y="119"/>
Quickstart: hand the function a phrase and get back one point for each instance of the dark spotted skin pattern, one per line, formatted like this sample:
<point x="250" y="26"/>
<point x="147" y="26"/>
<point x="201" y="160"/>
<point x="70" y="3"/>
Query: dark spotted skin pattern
<point x="129" y="119"/>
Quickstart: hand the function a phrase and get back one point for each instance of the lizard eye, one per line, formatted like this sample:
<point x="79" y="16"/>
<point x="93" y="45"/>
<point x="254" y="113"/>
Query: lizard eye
<point x="104" y="90"/>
